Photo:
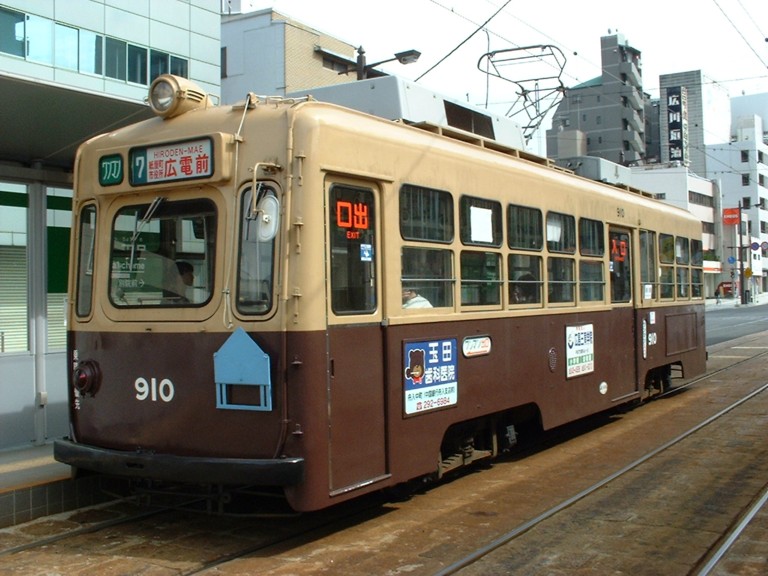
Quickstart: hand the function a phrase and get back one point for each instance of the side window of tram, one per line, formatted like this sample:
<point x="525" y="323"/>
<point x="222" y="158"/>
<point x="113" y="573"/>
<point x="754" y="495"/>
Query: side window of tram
<point x="621" y="269"/>
<point x="697" y="272"/>
<point x="648" y="264"/>
<point x="426" y="215"/>
<point x="85" y="253"/>
<point x="592" y="250"/>
<point x="257" y="250"/>
<point x="682" y="259"/>
<point x="666" y="268"/>
<point x="353" y="269"/>
<point x="561" y="274"/>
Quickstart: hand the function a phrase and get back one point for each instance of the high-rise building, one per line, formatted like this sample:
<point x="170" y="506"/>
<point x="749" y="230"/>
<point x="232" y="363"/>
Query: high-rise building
<point x="693" y="112"/>
<point x="605" y="116"/>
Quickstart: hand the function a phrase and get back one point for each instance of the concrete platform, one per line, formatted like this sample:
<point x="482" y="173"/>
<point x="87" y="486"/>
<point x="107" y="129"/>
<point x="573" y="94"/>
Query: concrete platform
<point x="33" y="485"/>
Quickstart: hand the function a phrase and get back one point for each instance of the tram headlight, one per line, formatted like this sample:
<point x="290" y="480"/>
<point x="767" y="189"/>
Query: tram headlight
<point x="171" y="95"/>
<point x="86" y="377"/>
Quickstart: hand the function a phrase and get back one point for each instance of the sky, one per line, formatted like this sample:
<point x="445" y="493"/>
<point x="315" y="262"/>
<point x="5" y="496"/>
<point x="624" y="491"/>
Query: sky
<point x="725" y="39"/>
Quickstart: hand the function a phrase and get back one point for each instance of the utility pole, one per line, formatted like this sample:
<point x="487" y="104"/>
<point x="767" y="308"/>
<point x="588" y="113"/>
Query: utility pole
<point x="741" y="261"/>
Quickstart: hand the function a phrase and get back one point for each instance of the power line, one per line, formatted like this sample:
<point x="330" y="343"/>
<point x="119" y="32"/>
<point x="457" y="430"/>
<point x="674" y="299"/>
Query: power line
<point x="740" y="33"/>
<point x="444" y="58"/>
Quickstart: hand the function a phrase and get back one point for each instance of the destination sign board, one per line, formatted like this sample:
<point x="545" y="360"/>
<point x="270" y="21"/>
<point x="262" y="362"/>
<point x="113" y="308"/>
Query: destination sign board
<point x="187" y="160"/>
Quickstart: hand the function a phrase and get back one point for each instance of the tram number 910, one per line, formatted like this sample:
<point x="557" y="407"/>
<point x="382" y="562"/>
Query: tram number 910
<point x="153" y="390"/>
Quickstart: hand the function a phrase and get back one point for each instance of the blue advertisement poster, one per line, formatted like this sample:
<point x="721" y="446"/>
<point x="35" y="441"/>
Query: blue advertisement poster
<point x="430" y="375"/>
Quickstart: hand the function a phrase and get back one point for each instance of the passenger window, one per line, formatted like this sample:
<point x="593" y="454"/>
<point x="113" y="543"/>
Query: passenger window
<point x="648" y="264"/>
<point x="666" y="272"/>
<point x="524" y="227"/>
<point x="480" y="221"/>
<point x="591" y="281"/>
<point x="561" y="233"/>
<point x="562" y="281"/>
<point x="426" y="214"/>
<point x="697" y="274"/>
<point x="591" y="240"/>
<point x="353" y="269"/>
<point x="480" y="278"/>
<point x="524" y="279"/>
<point x="427" y="272"/>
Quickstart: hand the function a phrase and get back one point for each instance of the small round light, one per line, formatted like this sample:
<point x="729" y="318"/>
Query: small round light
<point x="86" y="377"/>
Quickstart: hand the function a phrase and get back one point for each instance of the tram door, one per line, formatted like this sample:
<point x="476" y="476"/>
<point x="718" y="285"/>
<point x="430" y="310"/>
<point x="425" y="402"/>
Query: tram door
<point x="355" y="340"/>
<point x="622" y="342"/>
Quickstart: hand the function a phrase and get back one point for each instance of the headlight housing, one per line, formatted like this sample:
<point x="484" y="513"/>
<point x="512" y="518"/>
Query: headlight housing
<point x="171" y="95"/>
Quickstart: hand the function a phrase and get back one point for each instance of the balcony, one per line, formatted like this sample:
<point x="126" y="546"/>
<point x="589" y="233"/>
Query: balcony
<point x="633" y="74"/>
<point x="635" y="140"/>
<point x="633" y="96"/>
<point x="634" y="119"/>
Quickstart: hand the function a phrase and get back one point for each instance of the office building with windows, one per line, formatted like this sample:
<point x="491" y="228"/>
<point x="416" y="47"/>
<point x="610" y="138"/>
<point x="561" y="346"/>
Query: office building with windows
<point x="604" y="116"/>
<point x="69" y="69"/>
<point x="741" y="164"/>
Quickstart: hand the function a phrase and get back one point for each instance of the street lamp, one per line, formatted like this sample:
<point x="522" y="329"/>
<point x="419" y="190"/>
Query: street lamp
<point x="407" y="57"/>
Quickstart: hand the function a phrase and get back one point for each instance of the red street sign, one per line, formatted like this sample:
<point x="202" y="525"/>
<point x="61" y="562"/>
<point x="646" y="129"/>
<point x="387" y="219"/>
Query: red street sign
<point x="730" y="216"/>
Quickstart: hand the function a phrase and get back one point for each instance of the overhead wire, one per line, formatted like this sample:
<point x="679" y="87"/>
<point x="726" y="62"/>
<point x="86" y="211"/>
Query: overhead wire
<point x="740" y="33"/>
<point x="444" y="58"/>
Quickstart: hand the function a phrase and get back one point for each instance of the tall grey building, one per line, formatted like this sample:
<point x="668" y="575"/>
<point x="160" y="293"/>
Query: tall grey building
<point x="693" y="112"/>
<point x="604" y="116"/>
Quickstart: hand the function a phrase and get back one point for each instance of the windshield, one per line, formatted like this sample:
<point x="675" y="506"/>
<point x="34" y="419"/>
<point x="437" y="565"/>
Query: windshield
<point x="163" y="254"/>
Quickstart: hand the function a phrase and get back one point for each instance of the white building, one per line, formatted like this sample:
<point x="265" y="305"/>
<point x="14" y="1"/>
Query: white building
<point x="69" y="69"/>
<point x="741" y="164"/>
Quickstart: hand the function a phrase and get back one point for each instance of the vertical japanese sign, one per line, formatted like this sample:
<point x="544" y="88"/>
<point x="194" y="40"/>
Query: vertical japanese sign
<point x="430" y="375"/>
<point x="168" y="162"/>
<point x="579" y="350"/>
<point x="677" y="123"/>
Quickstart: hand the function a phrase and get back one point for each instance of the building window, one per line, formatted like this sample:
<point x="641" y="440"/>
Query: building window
<point x="66" y="42"/>
<point x="38" y="35"/>
<point x="745" y="179"/>
<point x="12" y="32"/>
<point x="43" y="40"/>
<point x="137" y="64"/>
<point x="336" y="65"/>
<point x="745" y="155"/>
<point x="91" y="53"/>
<point x="115" y="59"/>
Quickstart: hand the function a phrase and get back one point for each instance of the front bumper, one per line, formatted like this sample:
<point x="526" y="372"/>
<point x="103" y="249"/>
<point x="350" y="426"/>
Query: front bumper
<point x="185" y="469"/>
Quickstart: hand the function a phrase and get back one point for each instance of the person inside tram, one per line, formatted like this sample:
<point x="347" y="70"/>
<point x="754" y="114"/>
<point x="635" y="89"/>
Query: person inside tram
<point x="186" y="279"/>
<point x="412" y="299"/>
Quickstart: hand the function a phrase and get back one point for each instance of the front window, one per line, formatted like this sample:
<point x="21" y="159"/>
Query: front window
<point x="162" y="254"/>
